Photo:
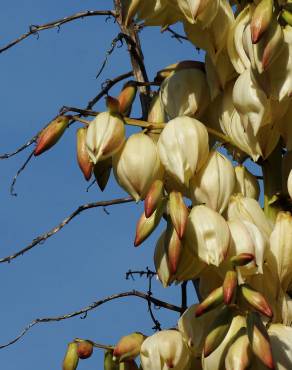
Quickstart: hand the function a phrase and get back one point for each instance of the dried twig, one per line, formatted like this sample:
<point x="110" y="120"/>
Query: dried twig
<point x="20" y="149"/>
<point x="38" y="240"/>
<point x="91" y="307"/>
<point x="35" y="29"/>
<point x="176" y="35"/>
<point x="12" y="192"/>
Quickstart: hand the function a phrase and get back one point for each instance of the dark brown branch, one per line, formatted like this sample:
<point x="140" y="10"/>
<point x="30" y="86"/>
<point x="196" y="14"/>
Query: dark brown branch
<point x="184" y="301"/>
<point x="137" y="59"/>
<point x="24" y="146"/>
<point x="92" y="306"/>
<point x="176" y="35"/>
<point x="38" y="240"/>
<point x="34" y="29"/>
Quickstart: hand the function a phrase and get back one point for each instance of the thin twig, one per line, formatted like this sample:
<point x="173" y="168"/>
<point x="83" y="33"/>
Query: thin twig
<point x="107" y="86"/>
<point x="91" y="307"/>
<point x="41" y="238"/>
<point x="12" y="192"/>
<point x="34" y="29"/>
<point x="24" y="146"/>
<point x="184" y="301"/>
<point x="176" y="35"/>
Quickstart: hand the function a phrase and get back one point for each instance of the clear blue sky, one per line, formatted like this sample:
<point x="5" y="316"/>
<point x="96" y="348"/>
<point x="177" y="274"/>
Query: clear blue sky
<point x="88" y="259"/>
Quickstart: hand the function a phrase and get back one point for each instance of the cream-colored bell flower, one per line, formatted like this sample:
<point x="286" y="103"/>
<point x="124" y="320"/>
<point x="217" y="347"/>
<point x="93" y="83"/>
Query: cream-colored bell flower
<point x="189" y="266"/>
<point x="105" y="136"/>
<point x="281" y="248"/>
<point x="216" y="359"/>
<point x="247" y="209"/>
<point x="204" y="33"/>
<point x="165" y="350"/>
<point x="183" y="147"/>
<point x="185" y="93"/>
<point x="239" y="354"/>
<point x="246" y="183"/>
<point x="289" y="184"/>
<point x="214" y="183"/>
<point x="247" y="238"/>
<point x="251" y="102"/>
<point x="207" y="235"/>
<point x="137" y="165"/>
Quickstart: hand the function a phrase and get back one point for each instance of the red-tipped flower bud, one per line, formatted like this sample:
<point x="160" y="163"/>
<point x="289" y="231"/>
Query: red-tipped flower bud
<point x="82" y="154"/>
<point x="229" y="286"/>
<point x="113" y="105"/>
<point x="129" y="347"/>
<point x="241" y="259"/>
<point x="178" y="212"/>
<point x="256" y="300"/>
<point x="153" y="197"/>
<point x="214" y="299"/>
<point x="84" y="349"/>
<point x="51" y="134"/>
<point x="127" y="97"/>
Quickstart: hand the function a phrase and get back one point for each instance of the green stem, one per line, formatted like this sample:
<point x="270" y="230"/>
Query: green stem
<point x="272" y="182"/>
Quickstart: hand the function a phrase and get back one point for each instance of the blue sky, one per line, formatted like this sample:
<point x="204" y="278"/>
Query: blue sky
<point x="88" y="259"/>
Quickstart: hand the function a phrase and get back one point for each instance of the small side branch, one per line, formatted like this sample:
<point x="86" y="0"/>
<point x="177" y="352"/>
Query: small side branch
<point x="20" y="149"/>
<point x="40" y="239"/>
<point x="35" y="29"/>
<point x="176" y="35"/>
<point x="92" y="306"/>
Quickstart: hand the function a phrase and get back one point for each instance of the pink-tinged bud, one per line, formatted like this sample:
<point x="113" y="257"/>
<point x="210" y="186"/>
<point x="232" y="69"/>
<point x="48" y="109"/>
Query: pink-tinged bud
<point x="173" y="247"/>
<point x="51" y="134"/>
<point x="241" y="259"/>
<point x="218" y="330"/>
<point x="146" y="226"/>
<point x="274" y="44"/>
<point x="102" y="171"/>
<point x="71" y="359"/>
<point x="113" y="105"/>
<point x="261" y="19"/>
<point x="128" y="347"/>
<point x="156" y="112"/>
<point x="239" y="354"/>
<point x="178" y="212"/>
<point x="256" y="300"/>
<point x="82" y="155"/>
<point x="229" y="286"/>
<point x="153" y="197"/>
<point x="214" y="299"/>
<point x="84" y="349"/>
<point x="259" y="339"/>
<point x="127" y="97"/>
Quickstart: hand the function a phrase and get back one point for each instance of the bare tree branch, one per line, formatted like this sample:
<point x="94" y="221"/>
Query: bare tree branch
<point x="176" y="35"/>
<point x="20" y="149"/>
<point x="22" y="168"/>
<point x="34" y="29"/>
<point x="41" y="238"/>
<point x="92" y="306"/>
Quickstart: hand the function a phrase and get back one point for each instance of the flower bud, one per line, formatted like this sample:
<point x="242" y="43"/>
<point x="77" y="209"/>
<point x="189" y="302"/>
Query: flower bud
<point x="289" y="184"/>
<point x="127" y="97"/>
<point x="239" y="354"/>
<point x="214" y="299"/>
<point x="246" y="183"/>
<point x="128" y="347"/>
<point x="153" y="197"/>
<point x="146" y="226"/>
<point x="207" y="235"/>
<point x="172" y="68"/>
<point x="156" y="112"/>
<point x="173" y="248"/>
<point x="51" y="134"/>
<point x="105" y="136"/>
<point x="229" y="286"/>
<point x="165" y="349"/>
<point x="218" y="330"/>
<point x="256" y="300"/>
<point x="242" y="259"/>
<point x="214" y="183"/>
<point x="82" y="154"/>
<point x="183" y="148"/>
<point x="259" y="339"/>
<point x="247" y="209"/>
<point x="84" y="349"/>
<point x="71" y="359"/>
<point x="281" y="249"/>
<point x="185" y="93"/>
<point x="137" y="165"/>
<point x="102" y="171"/>
<point x="113" y="105"/>
<point x="261" y="19"/>
<point x="274" y="44"/>
<point x="178" y="212"/>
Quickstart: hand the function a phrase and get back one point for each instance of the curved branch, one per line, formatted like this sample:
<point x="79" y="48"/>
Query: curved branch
<point x="41" y="238"/>
<point x="34" y="29"/>
<point x="20" y="149"/>
<point x="92" y="306"/>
